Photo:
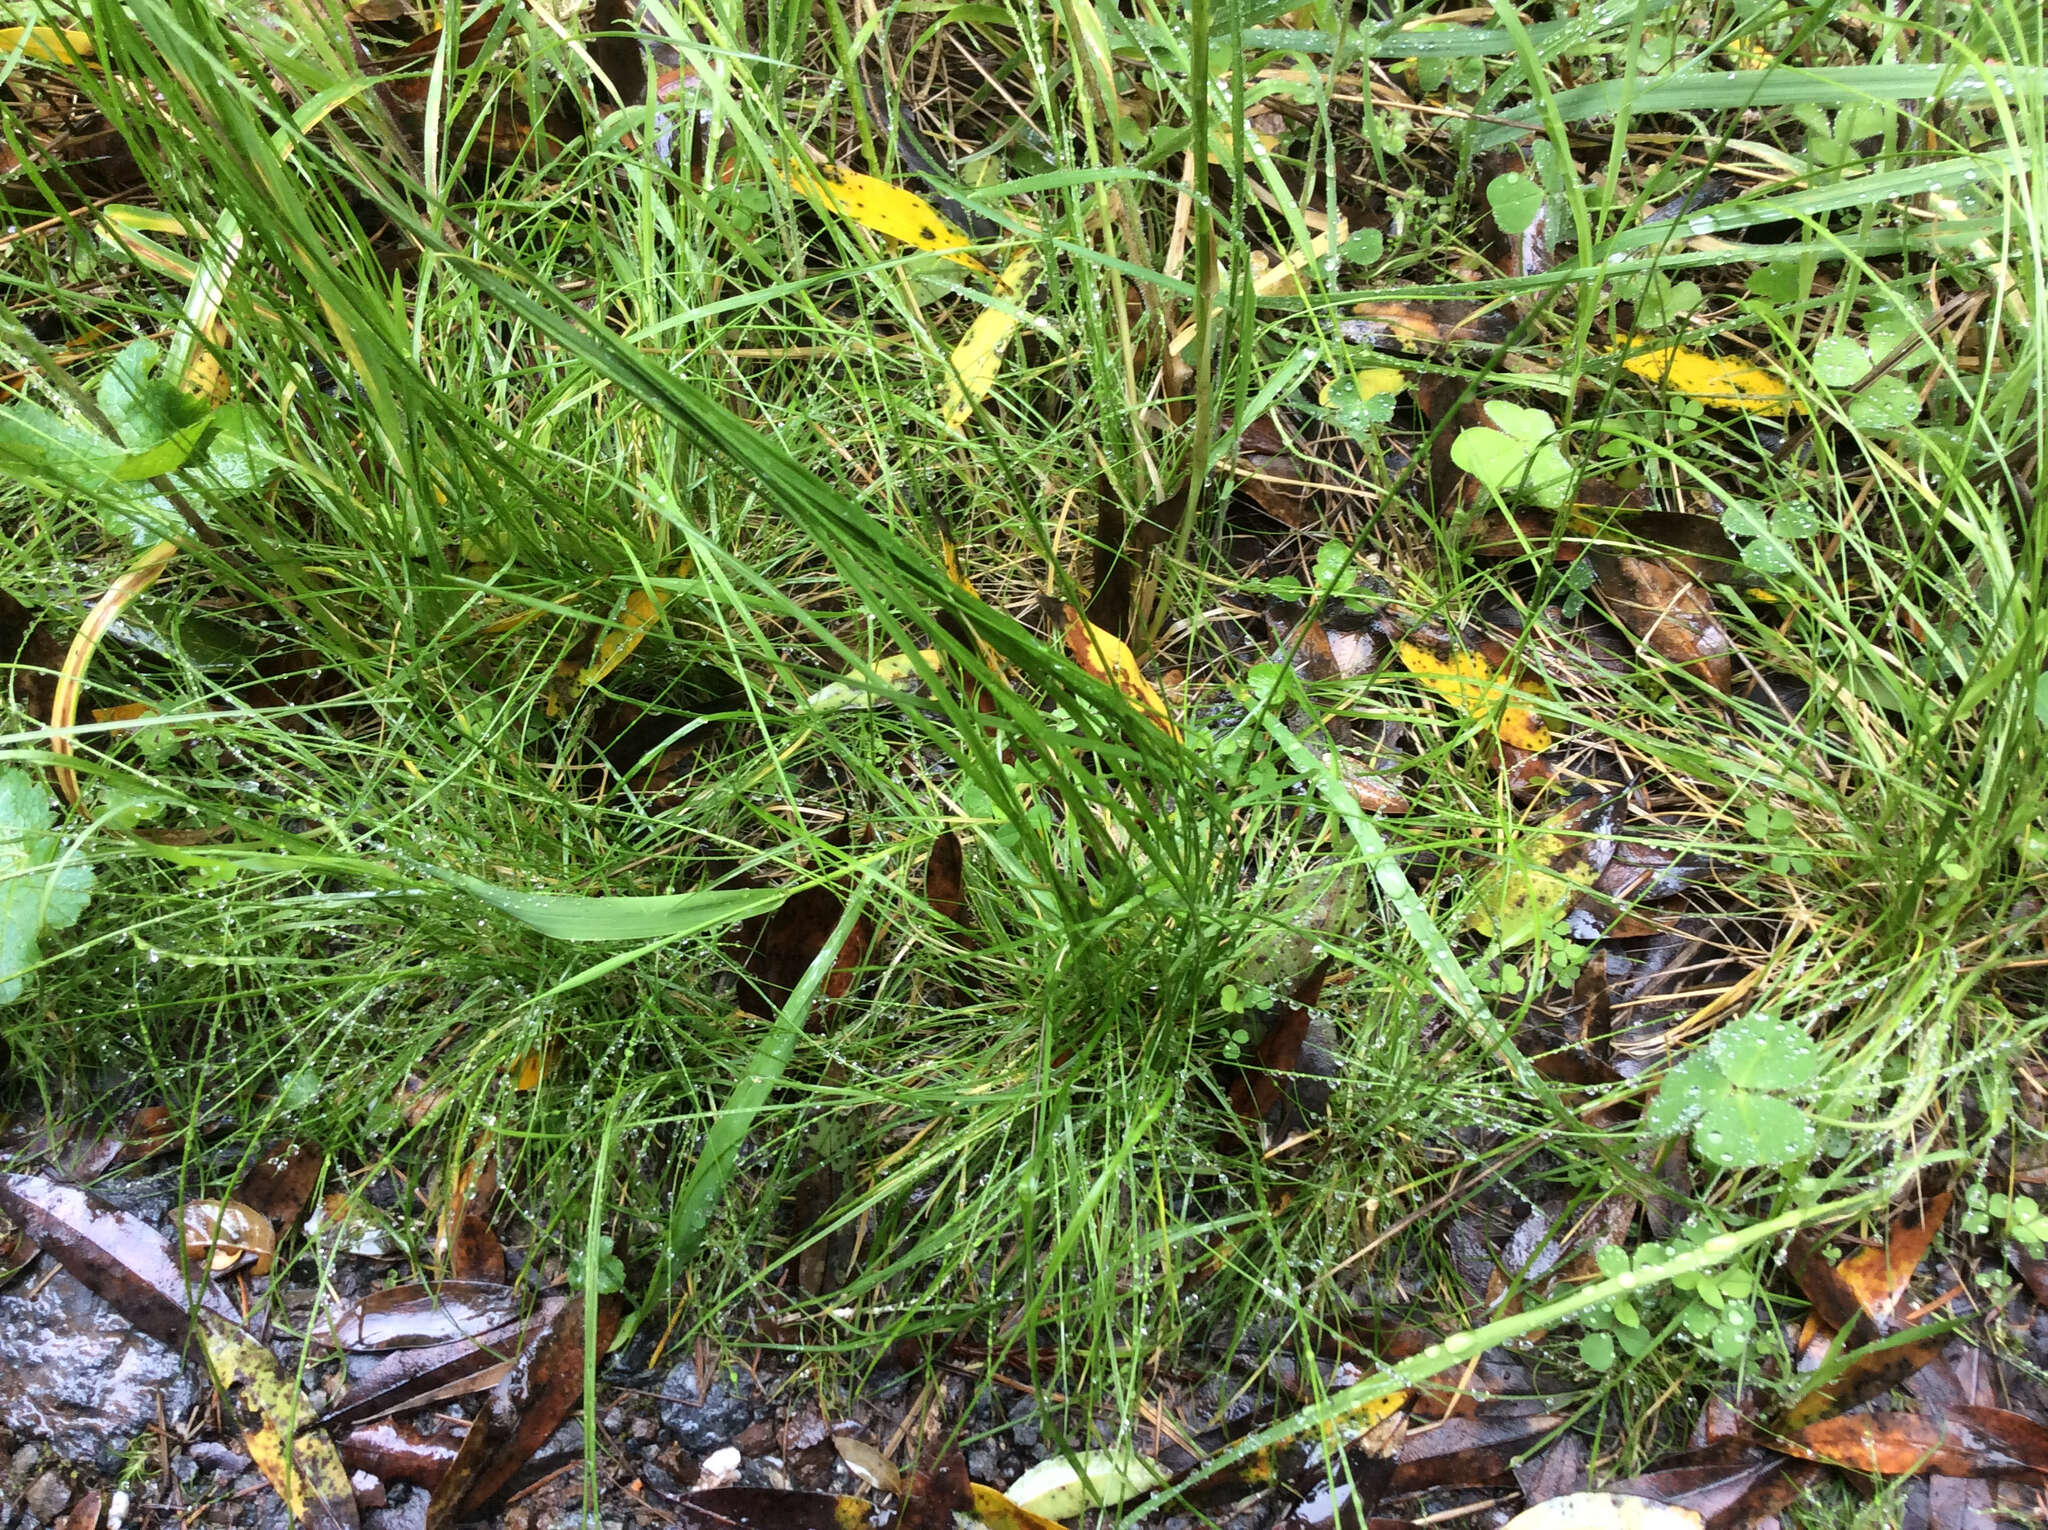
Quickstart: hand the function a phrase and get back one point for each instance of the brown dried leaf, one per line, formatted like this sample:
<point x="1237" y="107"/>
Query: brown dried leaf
<point x="419" y="1316"/>
<point x="413" y="1377"/>
<point x="404" y="1452"/>
<point x="1667" y="609"/>
<point x="118" y="1257"/>
<point x="1742" y="1492"/>
<point x="773" y="1509"/>
<point x="1468" y="1452"/>
<point x="945" y="879"/>
<point x="542" y="1387"/>
<point x="1869" y="1373"/>
<point x="281" y="1182"/>
<point x="776" y="949"/>
<point x="1965" y="1441"/>
<point x="1878" y="1276"/>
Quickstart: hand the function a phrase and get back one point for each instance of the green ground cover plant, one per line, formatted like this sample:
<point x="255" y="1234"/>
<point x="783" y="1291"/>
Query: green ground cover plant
<point x="551" y="559"/>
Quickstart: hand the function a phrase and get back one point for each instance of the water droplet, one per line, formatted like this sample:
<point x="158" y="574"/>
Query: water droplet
<point x="1701" y="225"/>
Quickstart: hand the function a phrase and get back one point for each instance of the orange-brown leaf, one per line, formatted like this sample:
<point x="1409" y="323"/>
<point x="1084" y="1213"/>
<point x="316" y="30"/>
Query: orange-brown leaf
<point x="1878" y="1276"/>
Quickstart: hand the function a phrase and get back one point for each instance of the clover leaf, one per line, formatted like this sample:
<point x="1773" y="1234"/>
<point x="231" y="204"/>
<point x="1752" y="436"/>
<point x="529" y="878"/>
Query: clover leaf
<point x="1516" y="455"/>
<point x="1732" y="1095"/>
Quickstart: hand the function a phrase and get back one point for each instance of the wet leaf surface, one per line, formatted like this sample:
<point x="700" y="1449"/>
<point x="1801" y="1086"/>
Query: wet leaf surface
<point x="1468" y="1452"/>
<point x="1668" y="610"/>
<point x="542" y="1388"/>
<point x="116" y="1256"/>
<point x="222" y="1234"/>
<point x="1877" y="1277"/>
<point x="1963" y="1441"/>
<point x="772" y="1509"/>
<point x="280" y="1184"/>
<point x="1864" y="1374"/>
<point x="1725" y="1496"/>
<point x="399" y="1451"/>
<point x="412" y="1377"/>
<point x="419" y="1316"/>
<point x="278" y="1429"/>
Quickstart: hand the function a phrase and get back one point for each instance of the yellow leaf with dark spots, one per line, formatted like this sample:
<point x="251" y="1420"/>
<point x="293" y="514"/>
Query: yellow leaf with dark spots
<point x="972" y="368"/>
<point x="1468" y="682"/>
<point x="270" y="1410"/>
<point x="1108" y="657"/>
<point x="877" y="205"/>
<point x="1533" y="885"/>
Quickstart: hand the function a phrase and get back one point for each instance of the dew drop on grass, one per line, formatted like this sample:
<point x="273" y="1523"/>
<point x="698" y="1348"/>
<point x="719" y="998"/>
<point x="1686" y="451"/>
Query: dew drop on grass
<point x="1701" y="225"/>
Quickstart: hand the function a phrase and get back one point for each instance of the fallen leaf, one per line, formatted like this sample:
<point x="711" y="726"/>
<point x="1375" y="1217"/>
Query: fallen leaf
<point x="1474" y="685"/>
<point x="1532" y="886"/>
<point x="877" y="205"/>
<point x="1712" y="380"/>
<point x="1256" y="1089"/>
<point x="1670" y="611"/>
<point x="995" y="1511"/>
<point x="1856" y="1378"/>
<point x="945" y="879"/>
<point x="118" y="1257"/>
<point x="544" y="1384"/>
<point x="1604" y="1511"/>
<point x="642" y="610"/>
<point x="1453" y="321"/>
<point x="868" y="1464"/>
<point x="896" y="672"/>
<point x="414" y="1377"/>
<point x="1468" y="1452"/>
<point x="776" y="949"/>
<point x="280" y="1183"/>
<point x="939" y="1491"/>
<point x="419" y="1317"/>
<point x="971" y="369"/>
<point x="1110" y="659"/>
<point x="1878" y="1276"/>
<point x="224" y="1233"/>
<point x="404" y="1452"/>
<point x="268" y="1409"/>
<point x="1060" y="1487"/>
<point x="47" y="45"/>
<point x="1726" y="1496"/>
<point x="1965" y="1441"/>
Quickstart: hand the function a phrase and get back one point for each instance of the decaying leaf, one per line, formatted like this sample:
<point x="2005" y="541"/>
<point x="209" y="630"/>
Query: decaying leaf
<point x="776" y="949"/>
<point x="1670" y="611"/>
<point x="420" y="1317"/>
<point x="1110" y="659"/>
<point x="1727" y="1495"/>
<point x="405" y="1452"/>
<point x="544" y="1384"/>
<point x="868" y="1464"/>
<point x="1533" y="885"/>
<point x="1856" y="1378"/>
<point x="1060" y="1488"/>
<point x="772" y="1509"/>
<point x="410" y="1378"/>
<point x="1468" y="1452"/>
<point x="280" y="1183"/>
<point x="300" y="1462"/>
<point x="1878" y="1276"/>
<point x="945" y="879"/>
<point x="118" y="1257"/>
<point x="1963" y="1441"/>
<point x="1711" y="379"/>
<point x="877" y="205"/>
<point x="224" y="1233"/>
<point x="1604" y="1511"/>
<point x="896" y="672"/>
<point x="1476" y="685"/>
<point x="972" y="368"/>
<point x="994" y="1511"/>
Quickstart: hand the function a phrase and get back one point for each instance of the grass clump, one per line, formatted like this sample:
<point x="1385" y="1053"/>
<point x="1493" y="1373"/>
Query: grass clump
<point x="572" y="456"/>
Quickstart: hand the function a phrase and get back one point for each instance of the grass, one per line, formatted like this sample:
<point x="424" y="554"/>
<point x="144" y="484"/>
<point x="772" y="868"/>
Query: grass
<point x="499" y="398"/>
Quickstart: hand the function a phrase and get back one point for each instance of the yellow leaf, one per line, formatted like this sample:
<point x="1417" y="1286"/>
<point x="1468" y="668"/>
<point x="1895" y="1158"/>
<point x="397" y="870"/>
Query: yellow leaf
<point x="1371" y="382"/>
<point x="47" y="45"/>
<point x="875" y="204"/>
<point x="1282" y="280"/>
<point x="897" y="672"/>
<point x="268" y="1408"/>
<point x="1474" y="687"/>
<point x="1532" y="886"/>
<point x="1711" y="379"/>
<point x="994" y="1511"/>
<point x="1108" y="657"/>
<point x="643" y="609"/>
<point x="972" y="368"/>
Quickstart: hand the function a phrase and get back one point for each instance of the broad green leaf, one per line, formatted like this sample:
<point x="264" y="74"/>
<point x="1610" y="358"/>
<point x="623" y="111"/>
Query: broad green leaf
<point x="1519" y="422"/>
<point x="1744" y="1129"/>
<point x="1839" y="362"/>
<point x="1516" y="202"/>
<point x="1888" y="403"/>
<point x="1686" y="1093"/>
<point x="165" y="456"/>
<point x="1513" y="467"/>
<point x="145" y="409"/>
<point x="41" y="887"/>
<point x="48" y="447"/>
<point x="1757" y="1052"/>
